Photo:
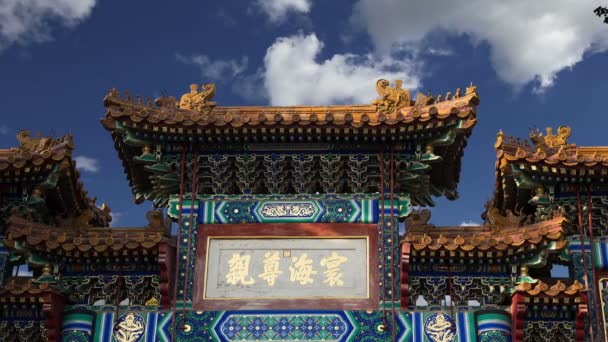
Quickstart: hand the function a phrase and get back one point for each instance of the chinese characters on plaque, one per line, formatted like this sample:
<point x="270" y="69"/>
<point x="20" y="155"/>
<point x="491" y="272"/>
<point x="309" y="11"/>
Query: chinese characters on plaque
<point x="301" y="269"/>
<point x="287" y="268"/>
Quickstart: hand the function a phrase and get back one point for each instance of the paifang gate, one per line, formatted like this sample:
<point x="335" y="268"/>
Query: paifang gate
<point x="303" y="223"/>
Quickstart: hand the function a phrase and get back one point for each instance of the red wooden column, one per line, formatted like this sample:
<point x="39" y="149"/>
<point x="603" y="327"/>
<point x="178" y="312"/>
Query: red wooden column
<point x="166" y="263"/>
<point x="53" y="313"/>
<point x="518" y="311"/>
<point x="581" y="317"/>
<point x="405" y="275"/>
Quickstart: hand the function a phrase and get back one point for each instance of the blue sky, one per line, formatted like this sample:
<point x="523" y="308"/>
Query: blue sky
<point x="535" y="65"/>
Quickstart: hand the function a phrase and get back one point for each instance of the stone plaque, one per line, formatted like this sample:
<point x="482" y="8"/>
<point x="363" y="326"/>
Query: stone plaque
<point x="304" y="268"/>
<point x="286" y="266"/>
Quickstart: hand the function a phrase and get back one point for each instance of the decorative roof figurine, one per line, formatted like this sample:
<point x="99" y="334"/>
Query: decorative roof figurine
<point x="198" y="101"/>
<point x="551" y="140"/>
<point x="391" y="99"/>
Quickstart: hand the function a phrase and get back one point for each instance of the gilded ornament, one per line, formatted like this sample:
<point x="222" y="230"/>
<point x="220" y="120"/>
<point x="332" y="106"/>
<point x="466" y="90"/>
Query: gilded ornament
<point x="439" y="327"/>
<point x="130" y="327"/>
<point x="550" y="140"/>
<point x="499" y="221"/>
<point x="152" y="302"/>
<point x="471" y="89"/>
<point x="391" y="99"/>
<point x="198" y="101"/>
<point x="27" y="143"/>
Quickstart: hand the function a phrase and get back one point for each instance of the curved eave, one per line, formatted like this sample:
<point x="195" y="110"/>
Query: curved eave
<point x="163" y="119"/>
<point x="91" y="242"/>
<point x="469" y="241"/>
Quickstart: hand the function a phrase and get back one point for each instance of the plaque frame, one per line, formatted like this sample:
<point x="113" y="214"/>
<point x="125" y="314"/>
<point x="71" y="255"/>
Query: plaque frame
<point x="256" y="231"/>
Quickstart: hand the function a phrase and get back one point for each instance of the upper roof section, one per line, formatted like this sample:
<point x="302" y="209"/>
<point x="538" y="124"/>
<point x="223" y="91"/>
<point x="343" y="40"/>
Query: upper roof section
<point x="298" y="149"/>
<point x="501" y="236"/>
<point x="34" y="153"/>
<point x="551" y="150"/>
<point x="196" y="114"/>
<point x="527" y="170"/>
<point x="39" y="180"/>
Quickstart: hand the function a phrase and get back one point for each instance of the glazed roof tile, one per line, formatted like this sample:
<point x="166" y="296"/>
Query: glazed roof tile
<point x="82" y="242"/>
<point x="23" y="287"/>
<point x="170" y="117"/>
<point x="557" y="289"/>
<point x="550" y="149"/>
<point x="485" y="238"/>
<point x="34" y="152"/>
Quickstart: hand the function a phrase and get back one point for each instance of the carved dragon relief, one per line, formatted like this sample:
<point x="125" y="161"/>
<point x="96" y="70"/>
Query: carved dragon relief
<point x="198" y="100"/>
<point x="391" y="99"/>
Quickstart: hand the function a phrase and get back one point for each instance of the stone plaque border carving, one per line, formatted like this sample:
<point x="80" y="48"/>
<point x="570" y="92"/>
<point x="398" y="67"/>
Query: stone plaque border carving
<point x="286" y="230"/>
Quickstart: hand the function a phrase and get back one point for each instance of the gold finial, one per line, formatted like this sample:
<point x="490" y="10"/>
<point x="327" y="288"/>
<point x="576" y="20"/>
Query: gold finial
<point x="113" y="92"/>
<point x="46" y="270"/>
<point x="198" y="101"/>
<point x="457" y="95"/>
<point x="152" y="302"/>
<point x="105" y="208"/>
<point x="391" y="99"/>
<point x="500" y="136"/>
<point x="447" y="96"/>
<point x="36" y="192"/>
<point x="146" y="150"/>
<point x="471" y="89"/>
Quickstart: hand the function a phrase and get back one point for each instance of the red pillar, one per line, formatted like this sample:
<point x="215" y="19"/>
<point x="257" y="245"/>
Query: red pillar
<point x="518" y="311"/>
<point x="53" y="313"/>
<point x="405" y="275"/>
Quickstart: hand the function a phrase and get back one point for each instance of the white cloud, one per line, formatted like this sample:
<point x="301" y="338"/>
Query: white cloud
<point x="88" y="164"/>
<point x="23" y="21"/>
<point x="215" y="70"/>
<point x="530" y="41"/>
<point x="439" y="51"/>
<point x="4" y="129"/>
<point x="116" y="217"/>
<point x="293" y="75"/>
<point x="277" y="10"/>
<point x="469" y="223"/>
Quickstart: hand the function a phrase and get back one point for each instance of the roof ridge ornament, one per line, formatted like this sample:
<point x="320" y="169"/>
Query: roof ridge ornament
<point x="198" y="101"/>
<point x="391" y="99"/>
<point x="550" y="140"/>
<point x="29" y="143"/>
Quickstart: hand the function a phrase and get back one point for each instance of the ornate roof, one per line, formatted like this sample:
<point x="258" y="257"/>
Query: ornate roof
<point x="495" y="239"/>
<point x="35" y="153"/>
<point x="49" y="182"/>
<point x="552" y="150"/>
<point x="298" y="149"/>
<point x="72" y="241"/>
<point x="523" y="166"/>
<point x="195" y="114"/>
